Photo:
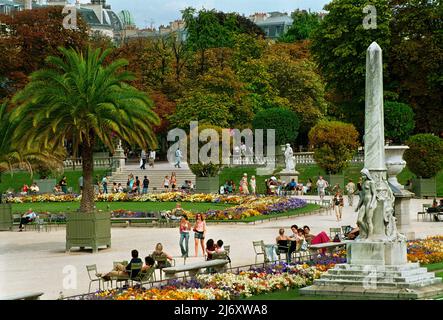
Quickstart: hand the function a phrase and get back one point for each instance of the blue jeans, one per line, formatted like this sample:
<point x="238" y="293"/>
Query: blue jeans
<point x="184" y="249"/>
<point x="145" y="190"/>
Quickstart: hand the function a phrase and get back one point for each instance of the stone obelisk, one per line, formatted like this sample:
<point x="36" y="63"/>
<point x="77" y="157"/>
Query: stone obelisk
<point x="377" y="263"/>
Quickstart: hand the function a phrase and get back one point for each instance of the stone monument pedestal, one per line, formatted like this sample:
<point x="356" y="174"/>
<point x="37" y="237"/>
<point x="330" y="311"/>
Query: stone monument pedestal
<point x="289" y="175"/>
<point x="402" y="213"/>
<point x="377" y="270"/>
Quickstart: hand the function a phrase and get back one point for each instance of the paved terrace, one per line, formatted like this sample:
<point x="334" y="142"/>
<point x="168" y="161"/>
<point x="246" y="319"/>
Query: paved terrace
<point x="33" y="261"/>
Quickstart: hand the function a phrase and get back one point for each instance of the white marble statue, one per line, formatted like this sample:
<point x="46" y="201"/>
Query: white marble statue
<point x="289" y="159"/>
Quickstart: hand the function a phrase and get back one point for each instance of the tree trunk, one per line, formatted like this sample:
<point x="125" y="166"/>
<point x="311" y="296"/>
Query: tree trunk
<point x="87" y="202"/>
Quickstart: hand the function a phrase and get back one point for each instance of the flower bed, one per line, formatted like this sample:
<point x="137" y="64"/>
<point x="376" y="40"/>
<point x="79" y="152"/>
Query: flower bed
<point x="429" y="250"/>
<point x="245" y="206"/>
<point x="221" y="286"/>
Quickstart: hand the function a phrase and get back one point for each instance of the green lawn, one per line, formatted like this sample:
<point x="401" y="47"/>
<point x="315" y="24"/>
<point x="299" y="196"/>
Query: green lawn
<point x="18" y="179"/>
<point x="54" y="207"/>
<point x="434" y="266"/>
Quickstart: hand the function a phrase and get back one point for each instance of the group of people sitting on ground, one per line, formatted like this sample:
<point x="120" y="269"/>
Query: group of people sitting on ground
<point x="33" y="189"/>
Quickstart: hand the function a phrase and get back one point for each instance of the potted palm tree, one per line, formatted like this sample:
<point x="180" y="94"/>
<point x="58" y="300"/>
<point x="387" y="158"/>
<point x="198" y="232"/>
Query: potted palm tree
<point x="81" y="98"/>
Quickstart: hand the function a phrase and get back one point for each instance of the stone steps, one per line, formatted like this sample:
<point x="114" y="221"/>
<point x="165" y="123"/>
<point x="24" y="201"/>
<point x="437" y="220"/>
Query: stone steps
<point x="383" y="284"/>
<point x="381" y="277"/>
<point x="401" y="273"/>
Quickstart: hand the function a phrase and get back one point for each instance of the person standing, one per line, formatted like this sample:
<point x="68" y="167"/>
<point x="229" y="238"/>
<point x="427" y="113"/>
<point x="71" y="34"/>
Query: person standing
<point x="178" y="156"/>
<point x="253" y="184"/>
<point x="64" y="185"/>
<point x="350" y="189"/>
<point x="184" y="228"/>
<point x="199" y="233"/>
<point x="166" y="183"/>
<point x="321" y="187"/>
<point x="80" y="184"/>
<point x="244" y="184"/>
<point x="143" y="160"/>
<point x="173" y="181"/>
<point x="338" y="204"/>
<point x="105" y="184"/>
<point x="137" y="185"/>
<point x="145" y="185"/>
<point x="151" y="158"/>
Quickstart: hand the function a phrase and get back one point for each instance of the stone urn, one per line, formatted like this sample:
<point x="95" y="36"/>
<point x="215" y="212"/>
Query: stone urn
<point x="395" y="163"/>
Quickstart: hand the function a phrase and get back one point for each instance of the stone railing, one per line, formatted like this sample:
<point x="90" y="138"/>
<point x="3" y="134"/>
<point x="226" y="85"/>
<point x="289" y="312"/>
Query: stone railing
<point x="76" y="163"/>
<point x="301" y="158"/>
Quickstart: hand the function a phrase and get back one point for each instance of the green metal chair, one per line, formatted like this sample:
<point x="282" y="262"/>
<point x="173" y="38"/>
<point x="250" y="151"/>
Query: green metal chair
<point x="162" y="262"/>
<point x="145" y="277"/>
<point x="333" y="232"/>
<point x="222" y="256"/>
<point x="94" y="276"/>
<point x="134" y="271"/>
<point x="258" y="249"/>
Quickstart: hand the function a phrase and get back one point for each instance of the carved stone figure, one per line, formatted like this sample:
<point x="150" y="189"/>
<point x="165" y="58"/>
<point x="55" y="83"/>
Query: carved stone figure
<point x="289" y="158"/>
<point x="366" y="205"/>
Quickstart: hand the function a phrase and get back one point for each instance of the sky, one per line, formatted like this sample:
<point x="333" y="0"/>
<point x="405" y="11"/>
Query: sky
<point x="157" y="12"/>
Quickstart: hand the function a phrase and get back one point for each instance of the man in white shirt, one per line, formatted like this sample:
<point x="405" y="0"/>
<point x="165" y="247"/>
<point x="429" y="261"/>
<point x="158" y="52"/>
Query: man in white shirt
<point x="26" y="218"/>
<point x="321" y="186"/>
<point x="178" y="156"/>
<point x="151" y="158"/>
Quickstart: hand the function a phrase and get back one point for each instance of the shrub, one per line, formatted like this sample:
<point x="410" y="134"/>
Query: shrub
<point x="425" y="156"/>
<point x="284" y="121"/>
<point x="335" y="143"/>
<point x="399" y="121"/>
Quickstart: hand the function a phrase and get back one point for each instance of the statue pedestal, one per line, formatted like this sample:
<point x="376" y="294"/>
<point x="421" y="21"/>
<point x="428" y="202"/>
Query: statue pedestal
<point x="287" y="176"/>
<point x="377" y="270"/>
<point x="402" y="213"/>
<point x="376" y="253"/>
<point x="119" y="158"/>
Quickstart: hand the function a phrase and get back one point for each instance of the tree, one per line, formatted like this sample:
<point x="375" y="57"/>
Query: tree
<point x="339" y="47"/>
<point x="399" y="121"/>
<point x="15" y="155"/>
<point x="79" y="98"/>
<point x="27" y="38"/>
<point x="285" y="122"/>
<point x="303" y="25"/>
<point x="424" y="156"/>
<point x="203" y="106"/>
<point x="334" y="144"/>
<point x="416" y="59"/>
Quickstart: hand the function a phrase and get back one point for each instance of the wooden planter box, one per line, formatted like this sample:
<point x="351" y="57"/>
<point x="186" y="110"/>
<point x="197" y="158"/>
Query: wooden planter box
<point x="424" y="187"/>
<point x="88" y="230"/>
<point x="5" y="217"/>
<point x="207" y="184"/>
<point x="333" y="179"/>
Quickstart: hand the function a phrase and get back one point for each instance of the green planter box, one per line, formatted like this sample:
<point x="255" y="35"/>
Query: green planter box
<point x="46" y="185"/>
<point x="88" y="230"/>
<point x="5" y="217"/>
<point x="424" y="187"/>
<point x="207" y="184"/>
<point x="333" y="179"/>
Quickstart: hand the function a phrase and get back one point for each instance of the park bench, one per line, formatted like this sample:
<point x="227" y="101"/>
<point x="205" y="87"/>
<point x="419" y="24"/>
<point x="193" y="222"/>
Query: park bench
<point x="130" y="220"/>
<point x="194" y="268"/>
<point x="330" y="246"/>
<point x="23" y="296"/>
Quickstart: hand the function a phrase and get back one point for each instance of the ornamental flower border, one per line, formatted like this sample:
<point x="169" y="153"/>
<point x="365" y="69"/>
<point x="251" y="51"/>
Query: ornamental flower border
<point x="245" y="206"/>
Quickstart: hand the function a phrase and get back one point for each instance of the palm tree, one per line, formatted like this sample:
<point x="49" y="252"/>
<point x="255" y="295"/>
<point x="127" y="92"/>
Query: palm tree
<point x="82" y="99"/>
<point x="14" y="155"/>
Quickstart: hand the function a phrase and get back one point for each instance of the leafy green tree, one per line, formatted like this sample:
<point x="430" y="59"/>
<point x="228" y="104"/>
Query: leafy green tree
<point x="424" y="156"/>
<point x="82" y="99"/>
<point x="339" y="47"/>
<point x="16" y="155"/>
<point x="304" y="23"/>
<point x="203" y="106"/>
<point x="285" y="122"/>
<point x="416" y="60"/>
<point x="334" y="143"/>
<point x="399" y="121"/>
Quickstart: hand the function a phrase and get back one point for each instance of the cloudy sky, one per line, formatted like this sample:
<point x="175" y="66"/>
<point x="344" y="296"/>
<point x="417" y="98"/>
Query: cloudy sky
<point x="160" y="12"/>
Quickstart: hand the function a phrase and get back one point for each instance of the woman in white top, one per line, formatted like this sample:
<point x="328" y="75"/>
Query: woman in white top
<point x="166" y="183"/>
<point x="253" y="184"/>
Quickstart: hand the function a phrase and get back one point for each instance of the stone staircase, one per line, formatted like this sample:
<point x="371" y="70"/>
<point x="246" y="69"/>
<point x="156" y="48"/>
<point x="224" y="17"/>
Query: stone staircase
<point x="155" y="175"/>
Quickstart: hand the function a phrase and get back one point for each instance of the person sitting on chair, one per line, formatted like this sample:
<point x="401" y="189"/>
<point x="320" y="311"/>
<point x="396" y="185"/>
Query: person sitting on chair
<point x="121" y="270"/>
<point x="149" y="263"/>
<point x="161" y="257"/>
<point x="219" y="246"/>
<point x="210" y="249"/>
<point x="26" y="218"/>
